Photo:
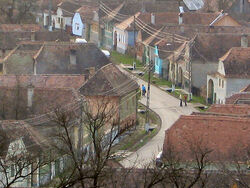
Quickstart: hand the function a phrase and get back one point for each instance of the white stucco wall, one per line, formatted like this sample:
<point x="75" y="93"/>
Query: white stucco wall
<point x="45" y="15"/>
<point x="226" y="89"/>
<point x="122" y="40"/>
<point x="234" y="85"/>
<point x="67" y="21"/>
<point x="200" y="71"/>
<point x="77" y="25"/>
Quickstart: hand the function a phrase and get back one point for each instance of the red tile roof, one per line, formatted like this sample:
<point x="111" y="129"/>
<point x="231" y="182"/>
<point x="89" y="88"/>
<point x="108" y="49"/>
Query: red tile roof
<point x="221" y="134"/>
<point x="19" y="27"/>
<point x="43" y="81"/>
<point x="246" y="89"/>
<point x="230" y="109"/>
<point x="163" y="18"/>
<point x="239" y="98"/>
<point x="44" y="100"/>
<point x="109" y="81"/>
<point x="237" y="62"/>
<point x="13" y="130"/>
<point x="87" y="12"/>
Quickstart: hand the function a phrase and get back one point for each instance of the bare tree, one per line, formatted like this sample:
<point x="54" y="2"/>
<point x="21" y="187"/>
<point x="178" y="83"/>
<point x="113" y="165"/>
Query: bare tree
<point x="16" y="164"/>
<point x="17" y="11"/>
<point x="235" y="169"/>
<point x="89" y="152"/>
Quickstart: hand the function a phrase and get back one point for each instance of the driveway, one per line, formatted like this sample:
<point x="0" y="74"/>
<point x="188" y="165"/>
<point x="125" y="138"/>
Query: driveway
<point x="167" y="107"/>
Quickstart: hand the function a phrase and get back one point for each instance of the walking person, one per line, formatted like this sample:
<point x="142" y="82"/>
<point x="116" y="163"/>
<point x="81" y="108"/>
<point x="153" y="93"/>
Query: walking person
<point x="143" y="88"/>
<point x="185" y="100"/>
<point x="180" y="100"/>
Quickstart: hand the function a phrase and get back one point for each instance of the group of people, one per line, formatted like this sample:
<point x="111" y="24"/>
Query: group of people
<point x="143" y="90"/>
<point x="181" y="100"/>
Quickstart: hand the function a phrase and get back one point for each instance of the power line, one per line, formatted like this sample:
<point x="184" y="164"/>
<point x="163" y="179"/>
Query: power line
<point x="126" y="16"/>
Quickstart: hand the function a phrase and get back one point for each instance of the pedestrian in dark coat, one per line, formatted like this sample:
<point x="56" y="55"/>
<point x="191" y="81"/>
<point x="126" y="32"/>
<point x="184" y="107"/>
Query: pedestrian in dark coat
<point x="185" y="100"/>
<point x="180" y="100"/>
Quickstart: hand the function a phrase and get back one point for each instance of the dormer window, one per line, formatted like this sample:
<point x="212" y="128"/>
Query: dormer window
<point x="72" y="57"/>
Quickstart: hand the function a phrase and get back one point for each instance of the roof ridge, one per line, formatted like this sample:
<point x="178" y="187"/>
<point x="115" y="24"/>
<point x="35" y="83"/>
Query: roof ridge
<point x="218" y="118"/>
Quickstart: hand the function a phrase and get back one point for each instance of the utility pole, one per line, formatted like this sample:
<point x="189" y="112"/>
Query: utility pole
<point x="147" y="125"/>
<point x="134" y="64"/>
<point x="190" y="69"/>
<point x="50" y="17"/>
<point x="80" y="133"/>
<point x="174" y="60"/>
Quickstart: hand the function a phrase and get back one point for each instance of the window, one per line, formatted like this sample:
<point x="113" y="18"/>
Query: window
<point x="222" y="84"/>
<point x="12" y="170"/>
<point x="219" y="82"/>
<point x="58" y="20"/>
<point x="77" y="26"/>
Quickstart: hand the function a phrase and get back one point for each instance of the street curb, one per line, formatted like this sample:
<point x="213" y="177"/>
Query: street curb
<point x="189" y="103"/>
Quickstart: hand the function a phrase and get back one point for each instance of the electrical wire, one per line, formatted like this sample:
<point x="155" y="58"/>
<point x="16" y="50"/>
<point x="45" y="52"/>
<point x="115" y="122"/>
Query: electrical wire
<point x="126" y="16"/>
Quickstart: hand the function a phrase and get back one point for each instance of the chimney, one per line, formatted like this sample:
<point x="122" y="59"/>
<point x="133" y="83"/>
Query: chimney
<point x="32" y="36"/>
<point x="72" y="57"/>
<point x="91" y="71"/>
<point x="152" y="18"/>
<point x="180" y="18"/>
<point x="244" y="41"/>
<point x="241" y="6"/>
<point x="30" y="93"/>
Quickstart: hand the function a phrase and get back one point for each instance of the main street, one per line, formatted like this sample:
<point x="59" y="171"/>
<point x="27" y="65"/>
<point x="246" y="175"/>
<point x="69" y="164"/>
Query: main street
<point x="167" y="107"/>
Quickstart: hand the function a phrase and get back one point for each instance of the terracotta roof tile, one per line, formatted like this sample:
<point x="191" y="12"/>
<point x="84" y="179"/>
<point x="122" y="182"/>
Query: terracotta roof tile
<point x="87" y="12"/>
<point x="44" y="100"/>
<point x="34" y="142"/>
<point x="163" y="18"/>
<point x="109" y="81"/>
<point x="19" y="27"/>
<point x="237" y="62"/>
<point x="246" y="89"/>
<point x="221" y="134"/>
<point x="239" y="98"/>
<point x="43" y="81"/>
<point x="230" y="109"/>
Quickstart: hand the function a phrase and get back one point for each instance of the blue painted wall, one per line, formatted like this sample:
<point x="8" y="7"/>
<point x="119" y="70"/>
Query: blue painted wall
<point x="158" y="62"/>
<point x="131" y="37"/>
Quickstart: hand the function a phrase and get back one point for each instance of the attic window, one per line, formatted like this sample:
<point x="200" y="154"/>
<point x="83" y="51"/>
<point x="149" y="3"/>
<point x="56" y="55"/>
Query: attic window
<point x="72" y="57"/>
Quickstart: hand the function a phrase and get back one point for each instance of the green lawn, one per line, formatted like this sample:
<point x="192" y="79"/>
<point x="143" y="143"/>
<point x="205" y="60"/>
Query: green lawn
<point x="124" y="59"/>
<point x="198" y="99"/>
<point x="157" y="81"/>
<point x="128" y="60"/>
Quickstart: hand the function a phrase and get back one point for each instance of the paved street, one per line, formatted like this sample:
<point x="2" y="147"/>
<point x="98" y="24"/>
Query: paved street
<point x="167" y="107"/>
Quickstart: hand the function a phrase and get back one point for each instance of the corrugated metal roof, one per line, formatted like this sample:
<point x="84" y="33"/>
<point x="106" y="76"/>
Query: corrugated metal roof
<point x="194" y="4"/>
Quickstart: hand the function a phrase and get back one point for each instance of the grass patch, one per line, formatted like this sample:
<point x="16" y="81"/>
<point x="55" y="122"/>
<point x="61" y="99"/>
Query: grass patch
<point x="140" y="137"/>
<point x="198" y="99"/>
<point x="157" y="81"/>
<point x="128" y="60"/>
<point x="124" y="59"/>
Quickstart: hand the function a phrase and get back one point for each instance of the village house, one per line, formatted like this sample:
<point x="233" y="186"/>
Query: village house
<point x="233" y="73"/>
<point x="178" y="28"/>
<point x="81" y="18"/>
<point x="33" y="97"/>
<point x="54" y="58"/>
<point x="20" y="139"/>
<point x="11" y="35"/>
<point x="217" y="130"/>
<point x="110" y="84"/>
<point x="200" y="57"/>
<point x="115" y="14"/>
<point x="125" y="34"/>
<point x="241" y="97"/>
<point x="62" y="17"/>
